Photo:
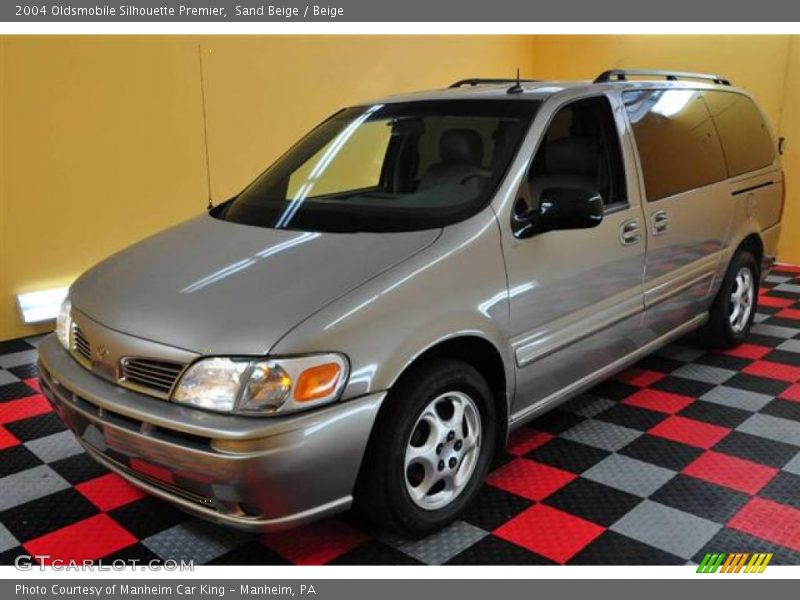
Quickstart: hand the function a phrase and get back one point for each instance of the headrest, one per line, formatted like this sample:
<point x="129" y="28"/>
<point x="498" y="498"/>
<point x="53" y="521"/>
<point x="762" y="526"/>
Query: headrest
<point x="461" y="146"/>
<point x="572" y="156"/>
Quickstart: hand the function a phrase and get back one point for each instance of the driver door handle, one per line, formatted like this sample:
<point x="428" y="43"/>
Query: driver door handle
<point x="630" y="232"/>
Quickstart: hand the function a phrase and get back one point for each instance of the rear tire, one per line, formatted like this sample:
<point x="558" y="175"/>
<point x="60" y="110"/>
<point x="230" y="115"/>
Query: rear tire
<point x="733" y="310"/>
<point x="430" y="449"/>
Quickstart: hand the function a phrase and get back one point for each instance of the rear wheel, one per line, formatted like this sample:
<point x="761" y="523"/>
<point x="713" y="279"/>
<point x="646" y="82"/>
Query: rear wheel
<point x="732" y="312"/>
<point x="430" y="449"/>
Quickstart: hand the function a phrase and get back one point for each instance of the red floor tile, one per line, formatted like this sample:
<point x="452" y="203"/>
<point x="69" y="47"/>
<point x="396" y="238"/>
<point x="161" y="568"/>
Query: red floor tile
<point x="774" y="302"/>
<point x="109" y="491"/>
<point x="315" y="544"/>
<point x="791" y="393"/>
<point x="14" y="410"/>
<point x="732" y="472"/>
<point x="773" y="370"/>
<point x="771" y="521"/>
<point x="523" y="440"/>
<point x="751" y="351"/>
<point x="788" y="313"/>
<point x="665" y="402"/>
<point x="549" y="532"/>
<point x="529" y="479"/>
<point x="6" y="439"/>
<point x="89" y="539"/>
<point x="689" y="431"/>
<point x="34" y="383"/>
<point x="639" y="377"/>
<point x="789" y="268"/>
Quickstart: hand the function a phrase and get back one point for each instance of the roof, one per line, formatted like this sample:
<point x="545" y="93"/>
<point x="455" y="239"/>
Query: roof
<point x="539" y="90"/>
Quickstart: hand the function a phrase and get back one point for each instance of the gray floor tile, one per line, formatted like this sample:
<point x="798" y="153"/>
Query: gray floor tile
<point x="601" y="435"/>
<point x="760" y="317"/>
<point x="777" y="279"/>
<point x="788" y="287"/>
<point x="29" y="485"/>
<point x="7" y="377"/>
<point x="629" y="475"/>
<point x="55" y="447"/>
<point x="774" y="331"/>
<point x="772" y="428"/>
<point x="26" y="357"/>
<point x="588" y="406"/>
<point x="7" y="541"/>
<point x="440" y="547"/>
<point x="195" y="540"/>
<point x="36" y="340"/>
<point x="736" y="398"/>
<point x="790" y="346"/>
<point x="704" y="373"/>
<point x="793" y="466"/>
<point x="667" y="528"/>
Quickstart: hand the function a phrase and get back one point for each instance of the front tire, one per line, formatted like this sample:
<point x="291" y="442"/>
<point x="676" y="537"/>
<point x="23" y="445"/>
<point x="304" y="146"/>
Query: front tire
<point x="733" y="310"/>
<point x="430" y="449"/>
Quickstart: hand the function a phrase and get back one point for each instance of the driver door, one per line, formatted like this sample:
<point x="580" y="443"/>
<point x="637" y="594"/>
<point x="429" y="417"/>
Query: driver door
<point x="576" y="297"/>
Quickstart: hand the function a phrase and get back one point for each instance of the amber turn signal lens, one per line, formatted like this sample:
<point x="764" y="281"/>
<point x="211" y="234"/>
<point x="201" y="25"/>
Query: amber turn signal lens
<point x="317" y="382"/>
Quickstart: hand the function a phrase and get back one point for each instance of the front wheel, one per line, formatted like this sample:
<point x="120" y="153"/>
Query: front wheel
<point x="734" y="308"/>
<point x="430" y="449"/>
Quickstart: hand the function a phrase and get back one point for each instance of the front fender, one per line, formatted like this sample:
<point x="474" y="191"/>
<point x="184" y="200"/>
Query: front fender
<point x="456" y="287"/>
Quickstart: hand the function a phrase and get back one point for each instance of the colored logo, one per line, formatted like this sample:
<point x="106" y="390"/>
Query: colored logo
<point x="740" y="562"/>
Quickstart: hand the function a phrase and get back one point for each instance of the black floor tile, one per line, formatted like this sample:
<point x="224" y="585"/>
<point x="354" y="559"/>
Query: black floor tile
<point x="593" y="501"/>
<point x="661" y="452"/>
<point x="568" y="455"/>
<point x="716" y="414"/>
<point x="612" y="548"/>
<point x="492" y="550"/>
<point x="757" y="449"/>
<point x="701" y="498"/>
<point x="492" y="507"/>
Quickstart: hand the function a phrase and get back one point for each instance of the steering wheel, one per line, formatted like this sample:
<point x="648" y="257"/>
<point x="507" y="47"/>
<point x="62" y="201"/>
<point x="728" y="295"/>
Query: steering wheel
<point x="464" y="181"/>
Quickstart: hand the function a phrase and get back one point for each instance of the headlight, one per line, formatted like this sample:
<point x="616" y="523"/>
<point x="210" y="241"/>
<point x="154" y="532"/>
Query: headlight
<point x="64" y="323"/>
<point x="263" y="386"/>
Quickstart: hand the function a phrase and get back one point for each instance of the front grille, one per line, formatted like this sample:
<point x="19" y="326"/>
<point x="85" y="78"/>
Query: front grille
<point x="155" y="376"/>
<point x="80" y="345"/>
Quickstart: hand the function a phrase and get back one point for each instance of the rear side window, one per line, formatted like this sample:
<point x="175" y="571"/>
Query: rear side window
<point x="679" y="149"/>
<point x="744" y="134"/>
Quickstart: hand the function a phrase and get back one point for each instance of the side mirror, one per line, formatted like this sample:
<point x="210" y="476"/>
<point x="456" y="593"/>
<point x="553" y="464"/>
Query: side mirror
<point x="559" y="208"/>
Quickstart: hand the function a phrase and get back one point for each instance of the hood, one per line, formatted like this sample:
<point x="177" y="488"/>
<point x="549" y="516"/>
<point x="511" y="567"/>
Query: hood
<point x="216" y="287"/>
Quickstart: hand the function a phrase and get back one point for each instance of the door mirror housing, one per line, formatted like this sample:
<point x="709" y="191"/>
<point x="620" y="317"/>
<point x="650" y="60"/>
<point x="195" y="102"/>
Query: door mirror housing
<point x="559" y="208"/>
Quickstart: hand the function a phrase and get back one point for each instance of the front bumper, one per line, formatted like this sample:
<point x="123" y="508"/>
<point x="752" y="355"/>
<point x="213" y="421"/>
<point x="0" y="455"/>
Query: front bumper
<point x="258" y="474"/>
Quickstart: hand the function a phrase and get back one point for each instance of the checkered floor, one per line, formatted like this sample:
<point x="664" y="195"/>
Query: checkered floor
<point x="689" y="452"/>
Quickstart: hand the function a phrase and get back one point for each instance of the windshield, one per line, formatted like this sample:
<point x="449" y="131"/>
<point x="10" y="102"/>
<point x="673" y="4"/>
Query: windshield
<point x="388" y="167"/>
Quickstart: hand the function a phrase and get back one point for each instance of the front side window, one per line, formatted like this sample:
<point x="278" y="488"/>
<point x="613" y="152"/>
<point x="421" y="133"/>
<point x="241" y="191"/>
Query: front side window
<point x="679" y="149"/>
<point x="388" y="167"/>
<point x="581" y="149"/>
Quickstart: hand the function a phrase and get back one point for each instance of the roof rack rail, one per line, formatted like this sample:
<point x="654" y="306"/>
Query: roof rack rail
<point x="480" y="81"/>
<point x="623" y="74"/>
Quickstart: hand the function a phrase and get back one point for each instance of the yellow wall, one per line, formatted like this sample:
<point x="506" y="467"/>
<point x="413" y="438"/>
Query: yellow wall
<point x="101" y="137"/>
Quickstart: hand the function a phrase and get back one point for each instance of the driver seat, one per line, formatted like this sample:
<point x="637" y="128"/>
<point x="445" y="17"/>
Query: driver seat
<point x="461" y="155"/>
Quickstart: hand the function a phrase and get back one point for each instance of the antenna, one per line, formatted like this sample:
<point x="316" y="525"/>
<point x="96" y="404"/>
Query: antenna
<point x="517" y="87"/>
<point x="205" y="126"/>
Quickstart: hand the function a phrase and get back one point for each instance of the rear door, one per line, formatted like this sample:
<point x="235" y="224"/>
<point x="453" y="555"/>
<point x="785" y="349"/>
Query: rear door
<point x="687" y="202"/>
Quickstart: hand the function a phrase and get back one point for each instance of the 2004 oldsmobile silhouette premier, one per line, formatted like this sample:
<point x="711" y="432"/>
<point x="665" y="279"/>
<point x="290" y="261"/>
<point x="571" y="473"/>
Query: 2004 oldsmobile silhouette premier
<point x="367" y="321"/>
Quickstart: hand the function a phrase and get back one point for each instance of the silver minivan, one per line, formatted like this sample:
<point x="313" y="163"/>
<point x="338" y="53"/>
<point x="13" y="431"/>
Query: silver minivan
<point x="366" y="322"/>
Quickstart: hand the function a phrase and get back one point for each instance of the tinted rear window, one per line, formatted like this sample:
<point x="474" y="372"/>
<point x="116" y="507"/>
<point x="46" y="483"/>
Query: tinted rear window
<point x="745" y="136"/>
<point x="679" y="149"/>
